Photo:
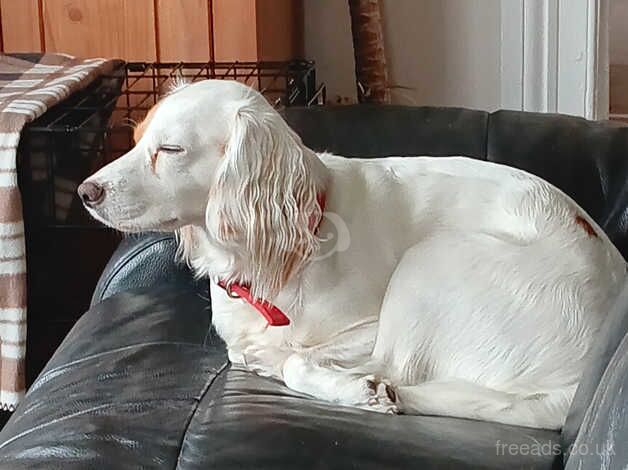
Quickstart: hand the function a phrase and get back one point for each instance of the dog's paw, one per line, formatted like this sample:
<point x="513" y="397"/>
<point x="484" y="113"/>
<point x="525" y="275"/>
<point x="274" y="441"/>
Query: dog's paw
<point x="380" y="395"/>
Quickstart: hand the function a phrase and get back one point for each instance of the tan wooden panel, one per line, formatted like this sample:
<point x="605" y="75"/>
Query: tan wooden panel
<point x="279" y="28"/>
<point x="183" y="30"/>
<point x="20" y="26"/>
<point x="101" y="28"/>
<point x="235" y="31"/>
<point x="622" y="120"/>
<point x="618" y="86"/>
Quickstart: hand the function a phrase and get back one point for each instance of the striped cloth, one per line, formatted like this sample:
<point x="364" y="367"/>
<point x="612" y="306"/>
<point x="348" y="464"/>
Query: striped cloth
<point x="29" y="85"/>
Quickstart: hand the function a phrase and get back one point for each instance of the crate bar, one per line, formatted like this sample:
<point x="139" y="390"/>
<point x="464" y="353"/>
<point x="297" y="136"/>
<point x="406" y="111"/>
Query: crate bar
<point x="158" y="73"/>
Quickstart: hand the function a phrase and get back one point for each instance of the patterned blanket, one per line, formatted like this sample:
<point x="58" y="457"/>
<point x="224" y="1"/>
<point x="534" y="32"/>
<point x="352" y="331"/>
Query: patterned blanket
<point x="29" y="85"/>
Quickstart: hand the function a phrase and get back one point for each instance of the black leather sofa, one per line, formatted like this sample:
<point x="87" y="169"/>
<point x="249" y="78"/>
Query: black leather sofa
<point x="143" y="382"/>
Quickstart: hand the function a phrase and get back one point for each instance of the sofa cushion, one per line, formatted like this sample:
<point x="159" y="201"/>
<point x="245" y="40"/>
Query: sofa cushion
<point x="143" y="382"/>
<point x="245" y="421"/>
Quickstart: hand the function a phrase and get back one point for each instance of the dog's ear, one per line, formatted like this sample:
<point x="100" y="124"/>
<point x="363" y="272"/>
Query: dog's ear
<point x="187" y="244"/>
<point x="263" y="199"/>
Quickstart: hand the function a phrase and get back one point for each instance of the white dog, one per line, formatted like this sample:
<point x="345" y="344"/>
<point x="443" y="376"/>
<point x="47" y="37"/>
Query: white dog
<point x="458" y="287"/>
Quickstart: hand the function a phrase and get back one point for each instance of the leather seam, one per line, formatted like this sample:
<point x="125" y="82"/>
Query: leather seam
<point x="198" y="402"/>
<point x="119" y="266"/>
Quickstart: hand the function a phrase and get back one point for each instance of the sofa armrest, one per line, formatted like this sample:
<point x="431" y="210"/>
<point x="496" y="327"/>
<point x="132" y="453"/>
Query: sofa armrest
<point x="596" y="429"/>
<point x="143" y="261"/>
<point x="122" y="388"/>
<point x="601" y="442"/>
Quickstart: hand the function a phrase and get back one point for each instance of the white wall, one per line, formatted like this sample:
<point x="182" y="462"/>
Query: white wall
<point x="442" y="52"/>
<point x="446" y="51"/>
<point x="327" y="37"/>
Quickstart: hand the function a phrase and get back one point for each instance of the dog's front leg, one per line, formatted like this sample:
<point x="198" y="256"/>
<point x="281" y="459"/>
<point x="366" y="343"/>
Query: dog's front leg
<point x="339" y="385"/>
<point x="263" y="359"/>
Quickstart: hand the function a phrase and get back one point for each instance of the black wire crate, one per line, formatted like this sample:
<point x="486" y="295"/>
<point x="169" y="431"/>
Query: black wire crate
<point x="95" y="126"/>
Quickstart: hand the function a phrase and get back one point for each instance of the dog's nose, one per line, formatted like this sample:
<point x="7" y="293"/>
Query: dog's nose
<point x="91" y="193"/>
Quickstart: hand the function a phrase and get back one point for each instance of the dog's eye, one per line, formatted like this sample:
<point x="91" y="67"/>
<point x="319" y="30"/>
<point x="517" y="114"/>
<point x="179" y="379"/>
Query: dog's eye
<point x="167" y="148"/>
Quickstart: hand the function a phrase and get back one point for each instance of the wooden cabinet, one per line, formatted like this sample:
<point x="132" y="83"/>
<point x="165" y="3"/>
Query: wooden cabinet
<point x="156" y="30"/>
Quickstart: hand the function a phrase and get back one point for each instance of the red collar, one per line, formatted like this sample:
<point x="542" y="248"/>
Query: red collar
<point x="270" y="312"/>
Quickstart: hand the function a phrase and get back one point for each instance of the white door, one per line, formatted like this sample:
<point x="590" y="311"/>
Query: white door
<point x="554" y="56"/>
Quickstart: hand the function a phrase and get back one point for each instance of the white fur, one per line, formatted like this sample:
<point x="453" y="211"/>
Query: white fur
<point x="459" y="288"/>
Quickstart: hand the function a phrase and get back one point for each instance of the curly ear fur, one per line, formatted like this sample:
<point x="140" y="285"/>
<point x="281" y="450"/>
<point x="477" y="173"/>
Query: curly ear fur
<point x="263" y="199"/>
<point x="187" y="246"/>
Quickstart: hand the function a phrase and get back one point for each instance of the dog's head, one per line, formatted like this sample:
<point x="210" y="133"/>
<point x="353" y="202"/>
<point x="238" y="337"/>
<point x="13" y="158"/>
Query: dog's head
<point x="163" y="183"/>
<point x="216" y="155"/>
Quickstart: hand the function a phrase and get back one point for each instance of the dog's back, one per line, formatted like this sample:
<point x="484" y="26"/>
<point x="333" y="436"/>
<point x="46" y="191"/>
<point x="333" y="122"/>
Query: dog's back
<point x="504" y="285"/>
